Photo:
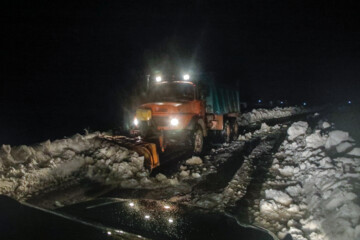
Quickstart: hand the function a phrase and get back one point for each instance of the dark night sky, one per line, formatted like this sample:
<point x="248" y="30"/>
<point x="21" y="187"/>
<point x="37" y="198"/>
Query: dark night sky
<point x="71" y="66"/>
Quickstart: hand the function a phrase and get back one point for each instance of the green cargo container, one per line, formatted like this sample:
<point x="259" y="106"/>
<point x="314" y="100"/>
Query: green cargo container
<point x="220" y="99"/>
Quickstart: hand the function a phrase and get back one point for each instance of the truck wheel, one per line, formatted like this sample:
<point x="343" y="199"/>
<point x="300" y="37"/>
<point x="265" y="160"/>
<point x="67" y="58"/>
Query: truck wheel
<point x="227" y="132"/>
<point x="235" y="131"/>
<point x="198" y="140"/>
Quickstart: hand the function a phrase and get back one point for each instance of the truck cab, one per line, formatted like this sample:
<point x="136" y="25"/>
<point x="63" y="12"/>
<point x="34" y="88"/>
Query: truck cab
<point x="177" y="112"/>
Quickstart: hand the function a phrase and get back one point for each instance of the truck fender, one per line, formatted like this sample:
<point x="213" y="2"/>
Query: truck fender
<point x="203" y="126"/>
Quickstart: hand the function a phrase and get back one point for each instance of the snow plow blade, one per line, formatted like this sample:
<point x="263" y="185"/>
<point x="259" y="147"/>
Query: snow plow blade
<point x="148" y="150"/>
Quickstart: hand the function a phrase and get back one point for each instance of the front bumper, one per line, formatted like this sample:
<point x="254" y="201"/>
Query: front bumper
<point x="171" y="136"/>
<point x="159" y="126"/>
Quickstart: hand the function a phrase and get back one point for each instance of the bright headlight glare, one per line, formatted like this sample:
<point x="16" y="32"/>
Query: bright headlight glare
<point x="136" y="121"/>
<point x="174" y="122"/>
<point x="158" y="78"/>
<point x="186" y="77"/>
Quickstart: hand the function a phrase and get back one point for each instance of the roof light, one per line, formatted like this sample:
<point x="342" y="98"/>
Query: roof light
<point x="186" y="77"/>
<point x="158" y="79"/>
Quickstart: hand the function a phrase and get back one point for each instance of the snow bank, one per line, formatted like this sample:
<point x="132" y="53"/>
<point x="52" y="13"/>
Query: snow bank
<point x="309" y="194"/>
<point x="28" y="170"/>
<point x="261" y="114"/>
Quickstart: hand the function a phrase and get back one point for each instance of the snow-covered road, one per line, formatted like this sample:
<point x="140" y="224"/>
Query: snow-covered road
<point x="299" y="178"/>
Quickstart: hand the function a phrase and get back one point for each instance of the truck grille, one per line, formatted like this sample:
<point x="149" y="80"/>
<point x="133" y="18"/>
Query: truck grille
<point x="161" y="121"/>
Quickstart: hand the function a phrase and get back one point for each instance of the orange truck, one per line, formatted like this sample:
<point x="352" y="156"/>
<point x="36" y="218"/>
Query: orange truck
<point x="185" y="110"/>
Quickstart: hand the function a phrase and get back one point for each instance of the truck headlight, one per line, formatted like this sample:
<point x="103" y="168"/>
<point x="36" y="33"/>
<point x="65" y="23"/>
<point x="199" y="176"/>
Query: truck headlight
<point x="136" y="121"/>
<point x="174" y="122"/>
<point x="158" y="79"/>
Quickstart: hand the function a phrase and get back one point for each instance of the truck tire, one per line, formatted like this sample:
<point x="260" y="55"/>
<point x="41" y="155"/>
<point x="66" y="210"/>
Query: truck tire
<point x="227" y="132"/>
<point x="198" y="140"/>
<point x="235" y="131"/>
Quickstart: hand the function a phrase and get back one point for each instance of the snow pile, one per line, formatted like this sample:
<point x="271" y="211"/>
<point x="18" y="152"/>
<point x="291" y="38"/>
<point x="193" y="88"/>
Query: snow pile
<point x="354" y="152"/>
<point x="264" y="129"/>
<point x="193" y="168"/>
<point x="335" y="138"/>
<point x="261" y="114"/>
<point x="28" y="170"/>
<point x="311" y="194"/>
<point x="297" y="129"/>
<point x="278" y="196"/>
<point x="325" y="125"/>
<point x="194" y="161"/>
<point x="245" y="137"/>
<point x="315" y="140"/>
<point x="339" y="141"/>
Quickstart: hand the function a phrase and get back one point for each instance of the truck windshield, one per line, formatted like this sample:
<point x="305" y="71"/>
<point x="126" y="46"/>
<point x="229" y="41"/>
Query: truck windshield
<point x="172" y="92"/>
